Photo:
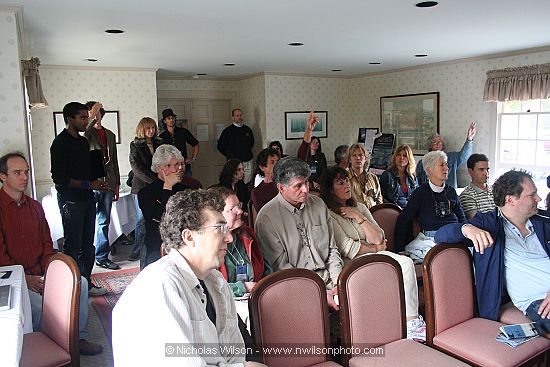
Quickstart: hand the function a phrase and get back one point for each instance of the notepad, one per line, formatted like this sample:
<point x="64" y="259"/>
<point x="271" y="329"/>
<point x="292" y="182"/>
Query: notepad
<point x="5" y="297"/>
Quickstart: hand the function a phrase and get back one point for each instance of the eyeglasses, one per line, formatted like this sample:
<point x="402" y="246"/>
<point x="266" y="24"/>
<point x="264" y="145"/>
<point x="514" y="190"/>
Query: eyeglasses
<point x="236" y="208"/>
<point x="223" y="227"/>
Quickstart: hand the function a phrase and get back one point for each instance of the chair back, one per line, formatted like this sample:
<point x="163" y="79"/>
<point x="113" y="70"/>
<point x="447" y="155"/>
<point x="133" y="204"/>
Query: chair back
<point x="386" y="216"/>
<point x="372" y="303"/>
<point x="449" y="288"/>
<point x="61" y="304"/>
<point x="288" y="309"/>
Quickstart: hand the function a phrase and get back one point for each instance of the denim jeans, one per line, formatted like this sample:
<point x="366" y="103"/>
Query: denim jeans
<point x="139" y="236"/>
<point x="188" y="171"/>
<point x="36" y="309"/>
<point x="543" y="325"/>
<point x="104" y="201"/>
<point x="78" y="219"/>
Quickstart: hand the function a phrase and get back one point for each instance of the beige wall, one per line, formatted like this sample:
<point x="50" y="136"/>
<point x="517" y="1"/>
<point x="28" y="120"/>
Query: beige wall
<point x="131" y="92"/>
<point x="253" y="103"/>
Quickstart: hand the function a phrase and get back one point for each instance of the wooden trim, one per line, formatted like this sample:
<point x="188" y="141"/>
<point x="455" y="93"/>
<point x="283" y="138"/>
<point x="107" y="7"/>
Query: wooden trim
<point x="377" y="207"/>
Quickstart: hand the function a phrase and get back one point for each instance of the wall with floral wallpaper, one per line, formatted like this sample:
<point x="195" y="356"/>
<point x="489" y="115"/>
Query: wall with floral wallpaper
<point x="12" y="108"/>
<point x="131" y="92"/>
<point x="253" y="103"/>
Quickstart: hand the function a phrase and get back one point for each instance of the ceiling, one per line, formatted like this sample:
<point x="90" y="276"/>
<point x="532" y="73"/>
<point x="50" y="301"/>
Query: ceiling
<point x="184" y="38"/>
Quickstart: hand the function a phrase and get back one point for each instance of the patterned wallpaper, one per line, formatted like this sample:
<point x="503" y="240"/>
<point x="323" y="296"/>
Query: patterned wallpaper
<point x="12" y="111"/>
<point x="252" y="102"/>
<point x="132" y="93"/>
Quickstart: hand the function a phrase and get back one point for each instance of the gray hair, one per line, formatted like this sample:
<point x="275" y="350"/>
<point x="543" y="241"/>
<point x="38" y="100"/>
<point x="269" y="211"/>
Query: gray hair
<point x="430" y="159"/>
<point x="340" y="153"/>
<point x="289" y="168"/>
<point x="163" y="155"/>
<point x="430" y="140"/>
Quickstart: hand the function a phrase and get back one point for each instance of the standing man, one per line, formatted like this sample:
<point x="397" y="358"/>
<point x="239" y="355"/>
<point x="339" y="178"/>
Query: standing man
<point x="104" y="140"/>
<point x="477" y="197"/>
<point x="512" y="250"/>
<point x="179" y="137"/>
<point x="236" y="141"/>
<point x="25" y="240"/>
<point x="72" y="174"/>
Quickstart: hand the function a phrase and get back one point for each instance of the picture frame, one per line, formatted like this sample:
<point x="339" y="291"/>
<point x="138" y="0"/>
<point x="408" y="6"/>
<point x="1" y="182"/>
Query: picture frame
<point x="412" y="118"/>
<point x="295" y="124"/>
<point x="110" y="121"/>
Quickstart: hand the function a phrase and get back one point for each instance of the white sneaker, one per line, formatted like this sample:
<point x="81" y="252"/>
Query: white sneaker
<point x="416" y="329"/>
<point x="96" y="291"/>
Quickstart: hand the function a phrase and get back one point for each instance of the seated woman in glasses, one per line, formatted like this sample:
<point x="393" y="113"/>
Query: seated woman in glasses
<point x="433" y="204"/>
<point x="356" y="233"/>
<point x="244" y="262"/>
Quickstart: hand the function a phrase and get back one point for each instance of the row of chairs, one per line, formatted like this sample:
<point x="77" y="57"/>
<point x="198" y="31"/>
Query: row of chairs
<point x="289" y="308"/>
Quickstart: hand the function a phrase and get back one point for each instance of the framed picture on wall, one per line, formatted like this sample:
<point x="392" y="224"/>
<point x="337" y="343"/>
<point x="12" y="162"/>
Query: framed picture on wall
<point x="412" y="118"/>
<point x="109" y="121"/>
<point x="295" y="124"/>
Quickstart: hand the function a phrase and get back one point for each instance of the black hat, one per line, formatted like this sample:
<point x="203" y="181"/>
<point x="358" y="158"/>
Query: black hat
<point x="168" y="112"/>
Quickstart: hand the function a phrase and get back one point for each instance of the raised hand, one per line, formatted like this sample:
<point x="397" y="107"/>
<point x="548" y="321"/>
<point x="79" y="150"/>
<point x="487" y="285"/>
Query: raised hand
<point x="472" y="131"/>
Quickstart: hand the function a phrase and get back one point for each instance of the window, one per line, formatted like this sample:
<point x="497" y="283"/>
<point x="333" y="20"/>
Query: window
<point x="523" y="140"/>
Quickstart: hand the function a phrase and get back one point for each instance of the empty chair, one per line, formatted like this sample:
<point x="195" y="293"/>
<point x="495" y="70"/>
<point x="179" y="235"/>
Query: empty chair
<point x="372" y="312"/>
<point x="57" y="343"/>
<point x="386" y="216"/>
<point x="452" y="325"/>
<point x="289" y="309"/>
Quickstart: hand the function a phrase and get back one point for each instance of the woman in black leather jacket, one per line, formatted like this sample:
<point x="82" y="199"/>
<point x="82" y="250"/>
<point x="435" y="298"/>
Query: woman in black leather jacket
<point x="399" y="181"/>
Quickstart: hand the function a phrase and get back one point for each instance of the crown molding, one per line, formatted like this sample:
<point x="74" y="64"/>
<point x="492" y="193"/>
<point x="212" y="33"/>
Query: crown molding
<point x="96" y="68"/>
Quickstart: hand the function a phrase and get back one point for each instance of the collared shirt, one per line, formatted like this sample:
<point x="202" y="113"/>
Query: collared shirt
<point x="368" y="193"/>
<point x="475" y="199"/>
<point x="525" y="262"/>
<point x="166" y="304"/>
<point x="299" y="237"/>
<point x="24" y="234"/>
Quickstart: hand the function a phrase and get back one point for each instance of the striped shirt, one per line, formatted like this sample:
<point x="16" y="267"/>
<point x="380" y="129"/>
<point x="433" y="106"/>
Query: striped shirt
<point x="476" y="200"/>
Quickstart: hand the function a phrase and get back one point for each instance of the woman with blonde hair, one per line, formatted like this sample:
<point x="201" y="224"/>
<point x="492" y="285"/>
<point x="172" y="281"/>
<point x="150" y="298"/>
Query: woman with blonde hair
<point x="399" y="180"/>
<point x="365" y="186"/>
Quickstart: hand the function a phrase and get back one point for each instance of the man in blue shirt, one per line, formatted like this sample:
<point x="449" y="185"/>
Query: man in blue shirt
<point x="512" y="249"/>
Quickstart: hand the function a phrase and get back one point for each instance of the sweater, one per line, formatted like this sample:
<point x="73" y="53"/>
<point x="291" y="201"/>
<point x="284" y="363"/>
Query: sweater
<point x="236" y="143"/>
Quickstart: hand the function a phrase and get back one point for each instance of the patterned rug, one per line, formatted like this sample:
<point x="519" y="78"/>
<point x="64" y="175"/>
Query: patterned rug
<point x="115" y="282"/>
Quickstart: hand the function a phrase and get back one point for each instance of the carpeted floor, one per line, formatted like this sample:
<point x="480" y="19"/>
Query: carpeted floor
<point x="115" y="282"/>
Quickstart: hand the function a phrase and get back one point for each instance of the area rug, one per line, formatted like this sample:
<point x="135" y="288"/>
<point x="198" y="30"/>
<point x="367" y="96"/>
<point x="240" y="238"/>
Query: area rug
<point x="115" y="282"/>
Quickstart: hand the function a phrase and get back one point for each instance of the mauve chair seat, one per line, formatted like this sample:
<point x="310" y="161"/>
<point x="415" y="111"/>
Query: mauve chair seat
<point x="474" y="341"/>
<point x="405" y="352"/>
<point x="42" y="351"/>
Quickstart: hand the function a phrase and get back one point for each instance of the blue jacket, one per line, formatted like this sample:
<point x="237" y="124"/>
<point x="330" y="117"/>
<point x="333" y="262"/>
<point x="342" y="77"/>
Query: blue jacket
<point x="489" y="267"/>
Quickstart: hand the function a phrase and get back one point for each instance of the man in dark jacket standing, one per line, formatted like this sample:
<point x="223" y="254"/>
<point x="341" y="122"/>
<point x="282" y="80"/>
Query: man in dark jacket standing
<point x="512" y="249"/>
<point x="236" y="142"/>
<point x="179" y="137"/>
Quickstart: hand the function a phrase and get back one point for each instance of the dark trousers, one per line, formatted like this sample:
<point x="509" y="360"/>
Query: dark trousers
<point x="543" y="325"/>
<point x="78" y="219"/>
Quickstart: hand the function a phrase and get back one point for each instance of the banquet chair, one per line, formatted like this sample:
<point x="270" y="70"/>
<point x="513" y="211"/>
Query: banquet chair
<point x="372" y="314"/>
<point x="386" y="216"/>
<point x="289" y="309"/>
<point x="58" y="342"/>
<point x="452" y="325"/>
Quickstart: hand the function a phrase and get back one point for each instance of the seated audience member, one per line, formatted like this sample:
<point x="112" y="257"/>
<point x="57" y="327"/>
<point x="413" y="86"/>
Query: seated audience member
<point x="244" y="262"/>
<point x="276" y="144"/>
<point x="266" y="190"/>
<point x="295" y="229"/>
<point x="341" y="156"/>
<point x="365" y="187"/>
<point x="310" y="152"/>
<point x="433" y="204"/>
<point x="231" y="176"/>
<point x="356" y="233"/>
<point x="399" y="181"/>
<point x="191" y="182"/>
<point x="169" y="165"/>
<point x="477" y="197"/>
<point x="25" y="240"/>
<point x="182" y="298"/>
<point x="511" y="250"/>
<point x="142" y="149"/>
<point x="455" y="159"/>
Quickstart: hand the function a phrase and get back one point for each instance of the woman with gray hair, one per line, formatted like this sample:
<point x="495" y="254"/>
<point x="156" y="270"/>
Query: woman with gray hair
<point x="169" y="165"/>
<point x="433" y="205"/>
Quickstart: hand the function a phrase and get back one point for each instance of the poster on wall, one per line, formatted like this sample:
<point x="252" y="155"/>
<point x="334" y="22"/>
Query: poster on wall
<point x="381" y="153"/>
<point x="366" y="136"/>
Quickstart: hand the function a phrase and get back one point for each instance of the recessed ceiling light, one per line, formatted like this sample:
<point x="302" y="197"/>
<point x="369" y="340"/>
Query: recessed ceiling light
<point x="201" y="74"/>
<point x="420" y="55"/>
<point x="336" y="70"/>
<point x="114" y="31"/>
<point x="91" y="60"/>
<point x="229" y="64"/>
<point x="295" y="44"/>
<point x="426" y="4"/>
<point x="374" y="63"/>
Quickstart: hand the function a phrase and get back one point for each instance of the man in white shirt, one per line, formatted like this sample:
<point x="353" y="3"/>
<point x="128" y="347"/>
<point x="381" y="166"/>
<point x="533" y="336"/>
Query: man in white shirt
<point x="179" y="310"/>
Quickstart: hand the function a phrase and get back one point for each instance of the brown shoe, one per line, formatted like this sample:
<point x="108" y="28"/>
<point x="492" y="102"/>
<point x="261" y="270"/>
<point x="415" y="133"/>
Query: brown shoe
<point x="89" y="349"/>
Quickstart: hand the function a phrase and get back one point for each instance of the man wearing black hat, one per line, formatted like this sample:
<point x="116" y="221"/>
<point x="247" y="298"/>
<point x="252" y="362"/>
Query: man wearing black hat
<point x="179" y="136"/>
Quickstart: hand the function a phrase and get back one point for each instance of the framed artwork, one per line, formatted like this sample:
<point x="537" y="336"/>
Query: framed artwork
<point x="110" y="121"/>
<point x="412" y="118"/>
<point x="295" y="124"/>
